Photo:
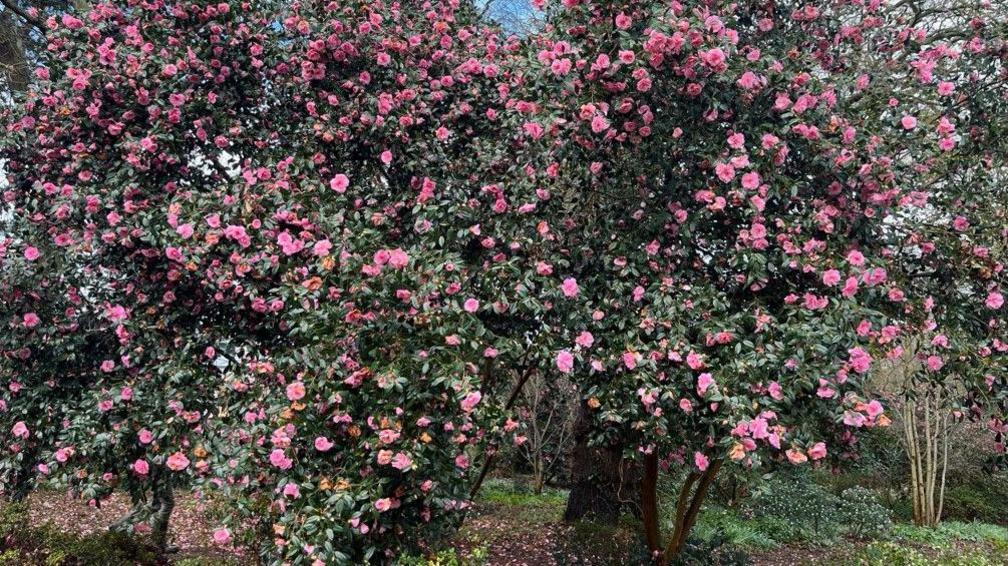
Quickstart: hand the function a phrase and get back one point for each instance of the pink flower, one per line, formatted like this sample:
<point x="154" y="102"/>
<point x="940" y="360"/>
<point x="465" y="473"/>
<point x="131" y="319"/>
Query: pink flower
<point x="623" y="21"/>
<point x="831" y="278"/>
<point x="279" y="459"/>
<point x="471" y="305"/>
<point x="565" y="361"/>
<point x="20" y="430"/>
<point x="775" y="391"/>
<point x="715" y="59"/>
<point x="339" y="183"/>
<point x="585" y="339"/>
<point x="818" y="451"/>
<point x="855" y="257"/>
<point x="694" y="360"/>
<point x="570" y="287"/>
<point x="402" y="461"/>
<point x="850" y="287"/>
<point x="909" y="122"/>
<point x="31" y="320"/>
<point x="630" y="360"/>
<point x="295" y="391"/>
<point x="935" y="363"/>
<point x="874" y="409"/>
<point x="704" y="381"/>
<point x="383" y="504"/>
<point x="145" y="436"/>
<point x="471" y="400"/>
<point x="141" y="467"/>
<point x="222" y="536"/>
<point x="397" y="258"/>
<point x="751" y="180"/>
<point x="177" y="462"/>
<point x="796" y="456"/>
<point x="701" y="461"/>
<point x="860" y="360"/>
<point x="31" y="253"/>
<point x="994" y="300"/>
<point x="323" y="444"/>
<point x="291" y="490"/>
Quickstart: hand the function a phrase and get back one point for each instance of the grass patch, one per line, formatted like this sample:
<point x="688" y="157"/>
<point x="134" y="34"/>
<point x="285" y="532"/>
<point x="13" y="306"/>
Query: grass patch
<point x="951" y="532"/>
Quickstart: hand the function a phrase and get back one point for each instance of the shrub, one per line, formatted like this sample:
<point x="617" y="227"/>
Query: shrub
<point x="803" y="508"/>
<point x="716" y="551"/>
<point x="982" y="499"/>
<point x="889" y="553"/>
<point x="862" y="514"/>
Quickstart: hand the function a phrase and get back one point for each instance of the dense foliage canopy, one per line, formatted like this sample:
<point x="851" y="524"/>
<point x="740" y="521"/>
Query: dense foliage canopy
<point x="295" y="252"/>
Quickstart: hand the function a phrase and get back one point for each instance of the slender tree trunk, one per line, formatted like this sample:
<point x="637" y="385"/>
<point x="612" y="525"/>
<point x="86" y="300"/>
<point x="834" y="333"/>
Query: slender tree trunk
<point x="162" y="506"/>
<point x="649" y="504"/>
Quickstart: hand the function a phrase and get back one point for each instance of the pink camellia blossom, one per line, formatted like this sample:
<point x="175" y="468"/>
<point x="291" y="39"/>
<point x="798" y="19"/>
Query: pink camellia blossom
<point x="292" y="490"/>
<point x="565" y="361"/>
<point x="585" y="339"/>
<point x="775" y="390"/>
<point x="383" y="504"/>
<point x="397" y="258"/>
<point x="339" y="183"/>
<point x="630" y="360"/>
<point x="280" y="460"/>
<point x="31" y="320"/>
<point x="471" y="305"/>
<point x="222" y="536"/>
<point x="20" y="430"/>
<point x="818" y="451"/>
<point x="860" y="360"/>
<point x="295" y="391"/>
<point x="570" y="287"/>
<point x="323" y="444"/>
<point x="177" y="462"/>
<point x="141" y="467"/>
<point x="694" y="360"/>
<point x="471" y="400"/>
<point x="874" y="409"/>
<point x="994" y="300"/>
<point x="908" y="122"/>
<point x="31" y="253"/>
<point x="704" y="381"/>
<point x="701" y="461"/>
<point x="935" y="363"/>
<point x="831" y="278"/>
<point x="796" y="456"/>
<point x="402" y="461"/>
<point x="145" y="436"/>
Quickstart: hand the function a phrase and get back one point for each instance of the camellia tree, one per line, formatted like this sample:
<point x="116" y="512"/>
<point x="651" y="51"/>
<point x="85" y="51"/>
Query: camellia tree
<point x="741" y="205"/>
<point x="250" y="249"/>
<point x="307" y="254"/>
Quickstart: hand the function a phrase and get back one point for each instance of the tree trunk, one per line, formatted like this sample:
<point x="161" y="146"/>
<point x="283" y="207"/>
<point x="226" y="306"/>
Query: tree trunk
<point x="162" y="506"/>
<point x="601" y="479"/>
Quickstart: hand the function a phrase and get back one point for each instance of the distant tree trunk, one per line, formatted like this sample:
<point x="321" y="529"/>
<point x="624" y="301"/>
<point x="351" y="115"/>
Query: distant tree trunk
<point x="601" y="479"/>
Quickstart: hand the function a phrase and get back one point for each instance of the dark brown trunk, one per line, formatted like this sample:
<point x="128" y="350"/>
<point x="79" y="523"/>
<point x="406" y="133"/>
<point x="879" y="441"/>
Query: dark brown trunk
<point x="602" y="481"/>
<point x="686" y="516"/>
<point x="649" y="505"/>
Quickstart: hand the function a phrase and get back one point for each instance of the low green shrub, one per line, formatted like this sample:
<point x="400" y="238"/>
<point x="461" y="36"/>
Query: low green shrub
<point x="716" y="551"/>
<point x="889" y="553"/>
<point x="861" y="513"/>
<point x="982" y="499"/>
<point x="804" y="509"/>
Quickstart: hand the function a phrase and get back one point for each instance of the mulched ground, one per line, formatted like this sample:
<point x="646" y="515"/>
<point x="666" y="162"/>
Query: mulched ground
<point x="189" y="529"/>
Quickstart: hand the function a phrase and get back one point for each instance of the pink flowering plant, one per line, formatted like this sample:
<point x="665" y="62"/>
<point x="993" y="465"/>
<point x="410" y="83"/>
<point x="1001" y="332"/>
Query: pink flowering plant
<point x="296" y="253"/>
